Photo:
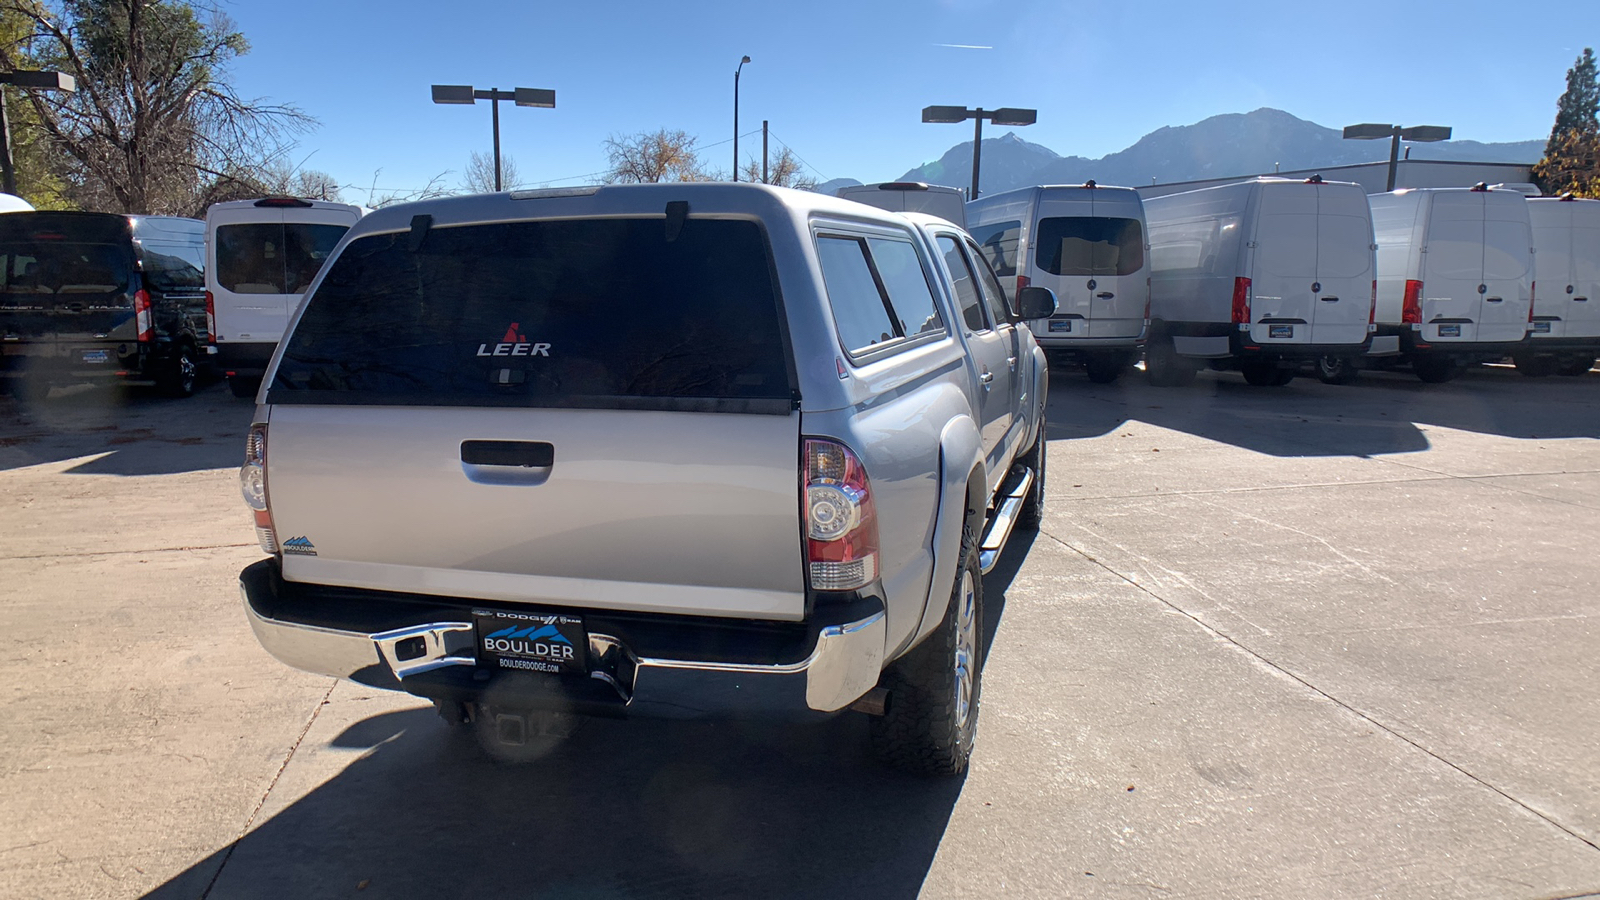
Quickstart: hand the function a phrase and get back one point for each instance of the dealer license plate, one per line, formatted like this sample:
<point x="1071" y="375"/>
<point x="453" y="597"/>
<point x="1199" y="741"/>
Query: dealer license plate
<point x="1541" y="327"/>
<point x="1280" y="331"/>
<point x="534" y="641"/>
<point x="96" y="356"/>
<point x="1062" y="325"/>
<point x="1449" y="331"/>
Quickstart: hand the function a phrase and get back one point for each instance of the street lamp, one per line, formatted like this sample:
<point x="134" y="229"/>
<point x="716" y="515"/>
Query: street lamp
<point x="1423" y="134"/>
<point x="464" y="94"/>
<point x="1004" y="116"/>
<point x="48" y="81"/>
<point x="736" y="117"/>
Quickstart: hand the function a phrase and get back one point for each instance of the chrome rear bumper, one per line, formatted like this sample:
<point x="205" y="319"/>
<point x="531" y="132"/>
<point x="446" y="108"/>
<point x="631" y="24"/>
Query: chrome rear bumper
<point x="843" y="665"/>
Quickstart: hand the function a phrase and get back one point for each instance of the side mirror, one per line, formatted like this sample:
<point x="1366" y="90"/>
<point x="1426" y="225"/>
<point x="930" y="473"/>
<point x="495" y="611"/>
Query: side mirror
<point x="1037" y="302"/>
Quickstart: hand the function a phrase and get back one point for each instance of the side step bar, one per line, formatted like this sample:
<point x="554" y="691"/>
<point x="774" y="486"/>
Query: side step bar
<point x="1003" y="520"/>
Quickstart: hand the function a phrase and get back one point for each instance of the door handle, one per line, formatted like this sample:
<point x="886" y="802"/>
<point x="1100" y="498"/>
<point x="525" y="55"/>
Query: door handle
<point x="986" y="379"/>
<point x="522" y="454"/>
<point x="1329" y="299"/>
<point x="1492" y="299"/>
<point x="1012" y="362"/>
<point x="1105" y="295"/>
<point x="1580" y="299"/>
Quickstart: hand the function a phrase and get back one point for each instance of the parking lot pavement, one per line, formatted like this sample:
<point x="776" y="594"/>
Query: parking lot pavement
<point x="1308" y="641"/>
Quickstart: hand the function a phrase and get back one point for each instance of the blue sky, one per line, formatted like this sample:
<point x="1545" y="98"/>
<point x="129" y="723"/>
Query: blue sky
<point x="843" y="83"/>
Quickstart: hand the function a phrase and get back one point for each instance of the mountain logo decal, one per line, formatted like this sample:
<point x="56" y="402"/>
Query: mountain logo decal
<point x="300" y="546"/>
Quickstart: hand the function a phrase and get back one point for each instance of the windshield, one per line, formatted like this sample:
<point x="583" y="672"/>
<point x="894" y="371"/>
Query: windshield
<point x="273" y="257"/>
<point x="1089" y="245"/>
<point x="567" y="313"/>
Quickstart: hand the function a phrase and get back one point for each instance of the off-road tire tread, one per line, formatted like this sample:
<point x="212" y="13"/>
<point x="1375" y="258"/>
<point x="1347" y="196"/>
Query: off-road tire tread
<point x="1031" y="515"/>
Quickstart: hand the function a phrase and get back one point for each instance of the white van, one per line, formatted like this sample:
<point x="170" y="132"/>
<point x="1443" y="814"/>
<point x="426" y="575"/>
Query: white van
<point x="1087" y="244"/>
<point x="1455" y="278"/>
<point x="947" y="203"/>
<point x="261" y="255"/>
<point x="1566" y="293"/>
<point x="13" y="203"/>
<point x="1263" y="276"/>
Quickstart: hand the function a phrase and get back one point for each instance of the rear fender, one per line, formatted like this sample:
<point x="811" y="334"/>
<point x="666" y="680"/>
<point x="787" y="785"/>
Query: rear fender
<point x="961" y="502"/>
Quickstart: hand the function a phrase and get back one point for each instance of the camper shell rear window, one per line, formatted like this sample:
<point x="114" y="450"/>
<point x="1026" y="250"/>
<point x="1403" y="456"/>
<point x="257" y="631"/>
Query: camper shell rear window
<point x="585" y="313"/>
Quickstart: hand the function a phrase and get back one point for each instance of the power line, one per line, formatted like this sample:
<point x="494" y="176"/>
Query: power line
<point x="797" y="155"/>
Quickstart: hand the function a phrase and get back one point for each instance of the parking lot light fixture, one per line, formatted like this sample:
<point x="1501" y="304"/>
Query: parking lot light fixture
<point x="736" y="72"/>
<point x="466" y="95"/>
<point x="1004" y="116"/>
<point x="27" y="78"/>
<point x="1372" y="131"/>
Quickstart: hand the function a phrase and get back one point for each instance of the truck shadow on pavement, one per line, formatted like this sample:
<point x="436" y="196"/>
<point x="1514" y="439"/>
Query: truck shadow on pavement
<point x="620" y="809"/>
<point x="1379" y="415"/>
<point x="125" y="432"/>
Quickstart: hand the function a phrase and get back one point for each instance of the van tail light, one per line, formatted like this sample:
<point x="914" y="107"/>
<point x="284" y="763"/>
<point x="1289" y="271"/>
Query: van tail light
<point x="211" y="318"/>
<point x="1022" y="282"/>
<point x="840" y="522"/>
<point x="1372" y="311"/>
<point x="142" y="321"/>
<point x="1241" y="303"/>
<point x="1411" y="307"/>
<point x="253" y="485"/>
<point x="1533" y="297"/>
<point x="1147" y="294"/>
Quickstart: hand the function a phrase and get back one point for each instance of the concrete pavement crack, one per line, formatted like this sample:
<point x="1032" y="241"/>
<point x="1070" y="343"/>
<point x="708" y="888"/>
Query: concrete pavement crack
<point x="251" y="819"/>
<point x="1358" y="713"/>
<point x="127" y="552"/>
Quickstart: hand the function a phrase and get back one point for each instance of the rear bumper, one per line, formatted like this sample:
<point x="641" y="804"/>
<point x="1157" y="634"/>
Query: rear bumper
<point x="1575" y="346"/>
<point x="644" y="666"/>
<point x="1243" y="346"/>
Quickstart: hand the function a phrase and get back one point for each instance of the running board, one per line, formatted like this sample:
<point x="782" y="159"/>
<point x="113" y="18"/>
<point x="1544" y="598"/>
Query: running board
<point x="1004" y="519"/>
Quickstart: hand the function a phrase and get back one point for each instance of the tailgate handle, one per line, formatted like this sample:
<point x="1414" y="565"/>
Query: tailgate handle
<point x="1580" y="299"/>
<point x="524" y="454"/>
<point x="1330" y="299"/>
<point x="1492" y="299"/>
<point x="1105" y="295"/>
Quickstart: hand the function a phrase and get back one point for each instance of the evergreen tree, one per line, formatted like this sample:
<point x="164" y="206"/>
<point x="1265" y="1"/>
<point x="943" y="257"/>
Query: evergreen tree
<point x="1576" y="110"/>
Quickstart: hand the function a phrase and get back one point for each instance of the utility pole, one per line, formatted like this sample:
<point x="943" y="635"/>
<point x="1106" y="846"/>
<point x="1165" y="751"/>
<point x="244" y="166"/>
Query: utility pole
<point x="763" y="151"/>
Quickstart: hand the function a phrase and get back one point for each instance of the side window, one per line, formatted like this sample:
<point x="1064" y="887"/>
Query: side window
<point x="910" y="297"/>
<point x="858" y="307"/>
<point x="999" y="306"/>
<point x="999" y="242"/>
<point x="966" y="285"/>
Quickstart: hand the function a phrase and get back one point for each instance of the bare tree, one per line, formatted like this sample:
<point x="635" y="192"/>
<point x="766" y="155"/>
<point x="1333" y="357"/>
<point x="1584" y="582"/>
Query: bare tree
<point x="433" y="189"/>
<point x="155" y="122"/>
<point x="784" y="171"/>
<point x="653" y="156"/>
<point x="478" y="178"/>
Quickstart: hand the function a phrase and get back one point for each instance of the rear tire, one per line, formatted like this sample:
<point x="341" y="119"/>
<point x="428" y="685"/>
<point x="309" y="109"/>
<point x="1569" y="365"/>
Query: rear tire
<point x="932" y="717"/>
<point x="179" y="379"/>
<point x="1436" y="370"/>
<point x="1031" y="515"/>
<point x="1576" y="367"/>
<point x="1337" y="370"/>
<point x="1105" y="369"/>
<point x="1164" y="367"/>
<point x="1264" y="374"/>
<point x="1536" y="366"/>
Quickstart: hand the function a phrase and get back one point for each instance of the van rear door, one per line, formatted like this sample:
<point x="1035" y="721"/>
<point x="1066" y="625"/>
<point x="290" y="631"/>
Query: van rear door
<point x="65" y="292"/>
<point x="1283" y="265"/>
<point x="1345" y="266"/>
<point x="1583" y="314"/>
<point x="589" y="413"/>
<point x="247" y="287"/>
<point x="1452" y="269"/>
<point x="1091" y="253"/>
<point x="1507" y="281"/>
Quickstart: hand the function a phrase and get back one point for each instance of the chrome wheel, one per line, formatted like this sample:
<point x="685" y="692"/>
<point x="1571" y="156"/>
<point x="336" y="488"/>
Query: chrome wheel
<point x="966" y="656"/>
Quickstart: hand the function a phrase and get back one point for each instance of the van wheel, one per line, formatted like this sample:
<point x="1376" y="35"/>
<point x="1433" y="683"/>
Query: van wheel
<point x="1105" y="369"/>
<point x="1164" y="367"/>
<point x="244" y="387"/>
<point x="1265" y="374"/>
<point x="1337" y="370"/>
<point x="1576" y="367"/>
<point x="179" y="379"/>
<point x="1436" y="370"/>
<point x="931" y="720"/>
<point x="1536" y="366"/>
<point x="1031" y="515"/>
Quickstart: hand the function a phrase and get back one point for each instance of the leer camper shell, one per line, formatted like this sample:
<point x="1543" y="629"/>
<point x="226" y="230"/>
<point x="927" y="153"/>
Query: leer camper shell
<point x="1087" y="244"/>
<point x="1455" y="277"/>
<point x="1566" y="302"/>
<point x="1264" y="276"/>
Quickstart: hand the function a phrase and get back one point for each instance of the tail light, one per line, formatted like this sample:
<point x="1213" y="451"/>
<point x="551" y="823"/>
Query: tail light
<point x="253" y="485"/>
<point x="211" y="318"/>
<point x="1372" y="311"/>
<point x="1533" y="297"/>
<point x="1147" y="293"/>
<point x="141" y="316"/>
<point x="1241" y="303"/>
<point x="841" y="525"/>
<point x="1411" y="308"/>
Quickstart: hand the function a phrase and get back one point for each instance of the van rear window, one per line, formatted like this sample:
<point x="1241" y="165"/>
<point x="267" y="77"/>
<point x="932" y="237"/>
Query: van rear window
<point x="596" y="313"/>
<point x="1089" y="245"/>
<point x="273" y="257"/>
<point x="46" y="272"/>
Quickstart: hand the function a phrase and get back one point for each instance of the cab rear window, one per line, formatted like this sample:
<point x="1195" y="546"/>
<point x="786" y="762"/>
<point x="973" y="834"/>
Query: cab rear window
<point x="1089" y="245"/>
<point x="598" y="313"/>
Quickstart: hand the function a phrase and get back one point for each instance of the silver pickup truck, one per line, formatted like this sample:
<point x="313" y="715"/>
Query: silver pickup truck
<point x="658" y="450"/>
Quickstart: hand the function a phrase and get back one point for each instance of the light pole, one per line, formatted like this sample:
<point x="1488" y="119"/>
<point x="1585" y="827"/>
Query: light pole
<point x="736" y="117"/>
<point x="1417" y="133"/>
<point x="49" y="81"/>
<point x="1003" y="116"/>
<point x="464" y="94"/>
